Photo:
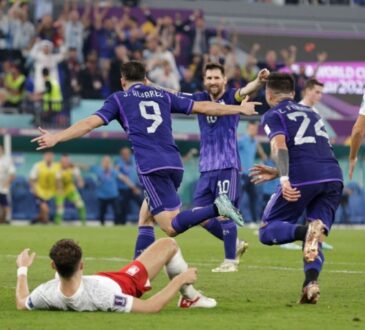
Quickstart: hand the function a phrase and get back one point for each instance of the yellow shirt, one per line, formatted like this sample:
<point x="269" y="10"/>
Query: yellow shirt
<point x="67" y="176"/>
<point x="45" y="179"/>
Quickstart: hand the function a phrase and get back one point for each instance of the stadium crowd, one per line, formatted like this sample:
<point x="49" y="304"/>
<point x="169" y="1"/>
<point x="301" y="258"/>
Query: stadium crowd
<point x="51" y="60"/>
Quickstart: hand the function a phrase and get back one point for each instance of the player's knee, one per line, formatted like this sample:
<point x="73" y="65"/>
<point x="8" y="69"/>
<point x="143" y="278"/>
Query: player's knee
<point x="169" y="244"/>
<point x="265" y="237"/>
<point x="169" y="231"/>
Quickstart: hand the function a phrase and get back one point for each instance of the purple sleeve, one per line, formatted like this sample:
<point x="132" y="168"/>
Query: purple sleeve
<point x="180" y="104"/>
<point x="274" y="125"/>
<point x="109" y="111"/>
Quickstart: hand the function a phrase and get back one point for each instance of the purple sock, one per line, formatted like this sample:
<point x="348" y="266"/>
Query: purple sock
<point x="215" y="228"/>
<point x="317" y="264"/>
<point x="146" y="236"/>
<point x="229" y="229"/>
<point x="189" y="218"/>
<point x="277" y="232"/>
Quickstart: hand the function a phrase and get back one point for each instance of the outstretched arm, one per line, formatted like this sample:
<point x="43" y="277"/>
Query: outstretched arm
<point x="23" y="261"/>
<point x="81" y="128"/>
<point x="217" y="109"/>
<point x="158" y="301"/>
<point x="357" y="135"/>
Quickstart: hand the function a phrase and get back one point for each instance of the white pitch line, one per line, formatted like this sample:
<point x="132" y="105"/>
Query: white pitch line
<point x="212" y="263"/>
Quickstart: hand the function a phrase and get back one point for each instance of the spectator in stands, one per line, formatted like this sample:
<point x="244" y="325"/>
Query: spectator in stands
<point x="164" y="76"/>
<point x="106" y="36"/>
<point x="74" y="33"/>
<point x="70" y="70"/>
<point x="14" y="86"/>
<point x="7" y="175"/>
<point x="43" y="185"/>
<point x="248" y="146"/>
<point x="43" y="57"/>
<point x="121" y="53"/>
<point x="91" y="80"/>
<point x="22" y="31"/>
<point x="50" y="98"/>
<point x="42" y="8"/>
<point x="155" y="54"/>
<point x="189" y="84"/>
<point x="197" y="33"/>
<point x="107" y="189"/>
<point x="128" y="188"/>
<point x="46" y="29"/>
<point x="237" y="80"/>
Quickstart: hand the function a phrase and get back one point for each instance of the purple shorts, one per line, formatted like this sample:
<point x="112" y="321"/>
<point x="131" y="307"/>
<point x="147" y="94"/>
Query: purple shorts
<point x="320" y="201"/>
<point x="4" y="200"/>
<point x="161" y="190"/>
<point x="214" y="183"/>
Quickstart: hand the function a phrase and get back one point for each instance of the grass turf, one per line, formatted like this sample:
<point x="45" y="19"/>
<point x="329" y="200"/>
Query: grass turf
<point x="262" y="295"/>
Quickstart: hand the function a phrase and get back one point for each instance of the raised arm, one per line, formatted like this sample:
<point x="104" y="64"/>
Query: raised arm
<point x="158" y="301"/>
<point x="23" y="261"/>
<point x="357" y="135"/>
<point x="81" y="128"/>
<point x="254" y="85"/>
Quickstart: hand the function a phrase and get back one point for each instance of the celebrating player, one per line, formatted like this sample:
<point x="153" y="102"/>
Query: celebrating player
<point x="145" y="114"/>
<point x="110" y="291"/>
<point x="219" y="160"/>
<point x="310" y="179"/>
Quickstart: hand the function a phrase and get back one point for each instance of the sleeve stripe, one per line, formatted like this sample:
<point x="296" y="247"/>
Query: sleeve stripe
<point x="106" y="121"/>
<point x="190" y="107"/>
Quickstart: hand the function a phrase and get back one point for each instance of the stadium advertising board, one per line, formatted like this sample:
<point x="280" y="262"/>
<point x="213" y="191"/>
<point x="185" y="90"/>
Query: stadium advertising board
<point x="346" y="78"/>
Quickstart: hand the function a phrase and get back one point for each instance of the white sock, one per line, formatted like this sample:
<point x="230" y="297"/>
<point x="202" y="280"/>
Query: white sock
<point x="176" y="266"/>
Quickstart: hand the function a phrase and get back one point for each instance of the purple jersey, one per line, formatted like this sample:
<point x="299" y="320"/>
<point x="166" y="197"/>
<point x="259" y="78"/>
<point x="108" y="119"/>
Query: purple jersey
<point x="145" y="114"/>
<point x="311" y="158"/>
<point x="218" y="135"/>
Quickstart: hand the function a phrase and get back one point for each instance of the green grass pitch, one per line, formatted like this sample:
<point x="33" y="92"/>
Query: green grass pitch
<point x="262" y="295"/>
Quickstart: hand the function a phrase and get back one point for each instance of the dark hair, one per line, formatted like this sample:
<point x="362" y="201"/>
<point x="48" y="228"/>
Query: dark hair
<point x="214" y="66"/>
<point x="45" y="72"/>
<point x="133" y="71"/>
<point x="311" y="83"/>
<point x="66" y="255"/>
<point x="281" y="82"/>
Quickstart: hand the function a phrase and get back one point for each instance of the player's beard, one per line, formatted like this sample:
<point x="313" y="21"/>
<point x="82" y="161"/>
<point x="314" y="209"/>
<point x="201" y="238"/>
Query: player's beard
<point x="215" y="90"/>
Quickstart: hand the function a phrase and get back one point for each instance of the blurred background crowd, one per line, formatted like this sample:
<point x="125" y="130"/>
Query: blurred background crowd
<point x="60" y="59"/>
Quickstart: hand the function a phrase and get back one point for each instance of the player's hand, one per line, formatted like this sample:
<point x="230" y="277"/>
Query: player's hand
<point x="260" y="173"/>
<point x="289" y="193"/>
<point x="248" y="108"/>
<point x="45" y="140"/>
<point x="263" y="75"/>
<point x="190" y="276"/>
<point x="25" y="259"/>
<point x="352" y="167"/>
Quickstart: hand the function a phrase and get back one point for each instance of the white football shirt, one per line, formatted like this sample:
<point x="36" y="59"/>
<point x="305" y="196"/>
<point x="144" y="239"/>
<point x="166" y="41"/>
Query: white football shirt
<point x="6" y="169"/>
<point x="96" y="293"/>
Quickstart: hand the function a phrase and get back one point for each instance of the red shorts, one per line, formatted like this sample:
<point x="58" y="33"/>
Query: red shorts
<point x="133" y="279"/>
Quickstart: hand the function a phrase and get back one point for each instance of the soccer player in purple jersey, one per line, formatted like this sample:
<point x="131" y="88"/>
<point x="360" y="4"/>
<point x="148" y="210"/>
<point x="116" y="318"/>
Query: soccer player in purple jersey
<point x="219" y="160"/>
<point x="310" y="179"/>
<point x="145" y="114"/>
